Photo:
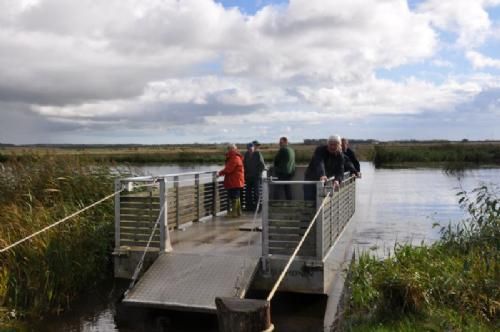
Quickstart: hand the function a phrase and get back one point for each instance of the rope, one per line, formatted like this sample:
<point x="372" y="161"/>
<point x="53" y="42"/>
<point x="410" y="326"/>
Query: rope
<point x="138" y="268"/>
<point x="60" y="221"/>
<point x="252" y="230"/>
<point x="287" y="266"/>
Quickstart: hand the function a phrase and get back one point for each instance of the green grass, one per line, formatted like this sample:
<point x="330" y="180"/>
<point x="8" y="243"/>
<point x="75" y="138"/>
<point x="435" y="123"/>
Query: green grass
<point x="452" y="285"/>
<point x="48" y="272"/>
<point x="193" y="153"/>
<point x="450" y="155"/>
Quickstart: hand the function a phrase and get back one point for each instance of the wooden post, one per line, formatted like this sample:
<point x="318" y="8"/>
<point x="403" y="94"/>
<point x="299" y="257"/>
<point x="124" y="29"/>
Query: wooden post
<point x="243" y="315"/>
<point x="117" y="214"/>
<point x="177" y="201"/>
<point x="165" y="245"/>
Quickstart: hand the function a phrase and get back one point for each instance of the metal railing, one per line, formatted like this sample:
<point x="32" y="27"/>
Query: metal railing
<point x="284" y="222"/>
<point x="186" y="198"/>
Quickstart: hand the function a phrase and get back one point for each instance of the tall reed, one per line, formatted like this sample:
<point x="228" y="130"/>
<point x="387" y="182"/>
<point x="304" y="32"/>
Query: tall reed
<point x="47" y="272"/>
<point x="452" y="285"/>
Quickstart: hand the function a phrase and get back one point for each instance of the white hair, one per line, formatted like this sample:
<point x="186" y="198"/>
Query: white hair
<point x="231" y="146"/>
<point x="333" y="138"/>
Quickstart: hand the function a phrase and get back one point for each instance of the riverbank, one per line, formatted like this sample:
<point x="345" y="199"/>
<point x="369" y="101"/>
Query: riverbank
<point x="448" y="155"/>
<point x="383" y="154"/>
<point x="449" y="285"/>
<point x="46" y="273"/>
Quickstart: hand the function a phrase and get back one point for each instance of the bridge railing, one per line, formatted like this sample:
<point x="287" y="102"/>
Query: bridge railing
<point x="185" y="198"/>
<point x="284" y="222"/>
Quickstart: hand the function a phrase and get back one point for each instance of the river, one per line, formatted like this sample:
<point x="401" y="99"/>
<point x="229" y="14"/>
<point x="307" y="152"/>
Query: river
<point x="393" y="205"/>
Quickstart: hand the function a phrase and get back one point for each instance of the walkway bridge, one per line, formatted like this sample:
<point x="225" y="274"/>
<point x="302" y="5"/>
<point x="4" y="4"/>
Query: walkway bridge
<point x="175" y="226"/>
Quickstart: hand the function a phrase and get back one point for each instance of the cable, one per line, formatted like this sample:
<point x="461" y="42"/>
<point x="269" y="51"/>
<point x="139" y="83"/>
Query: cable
<point x="60" y="221"/>
<point x="287" y="266"/>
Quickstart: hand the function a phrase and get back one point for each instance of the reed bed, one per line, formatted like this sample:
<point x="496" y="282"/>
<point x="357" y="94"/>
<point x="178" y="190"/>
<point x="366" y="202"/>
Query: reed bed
<point x="449" y="154"/>
<point x="452" y="285"/>
<point x="46" y="273"/>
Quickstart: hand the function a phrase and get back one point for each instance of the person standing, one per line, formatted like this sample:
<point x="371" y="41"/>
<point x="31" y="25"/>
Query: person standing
<point x="254" y="165"/>
<point x="327" y="161"/>
<point x="234" y="179"/>
<point x="352" y="156"/>
<point x="284" y="167"/>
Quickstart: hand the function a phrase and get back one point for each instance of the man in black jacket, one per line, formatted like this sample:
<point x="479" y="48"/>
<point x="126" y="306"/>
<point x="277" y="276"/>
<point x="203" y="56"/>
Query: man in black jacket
<point x="352" y="157"/>
<point x="254" y="165"/>
<point x="327" y="161"/>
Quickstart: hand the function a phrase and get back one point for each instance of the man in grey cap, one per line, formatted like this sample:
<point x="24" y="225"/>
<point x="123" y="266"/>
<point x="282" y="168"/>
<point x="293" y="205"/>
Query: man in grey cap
<point x="254" y="166"/>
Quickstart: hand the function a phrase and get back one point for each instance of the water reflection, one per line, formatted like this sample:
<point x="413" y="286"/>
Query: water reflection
<point x="403" y="204"/>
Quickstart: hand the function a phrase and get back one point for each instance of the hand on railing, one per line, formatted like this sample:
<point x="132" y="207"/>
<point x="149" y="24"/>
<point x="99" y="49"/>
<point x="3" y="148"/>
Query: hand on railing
<point x="335" y="183"/>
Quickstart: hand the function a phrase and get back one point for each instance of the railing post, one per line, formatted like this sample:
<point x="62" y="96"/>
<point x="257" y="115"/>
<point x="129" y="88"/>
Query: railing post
<point x="265" y="222"/>
<point x="332" y="225"/>
<point x="165" y="245"/>
<point x="319" y="223"/>
<point x="177" y="201"/>
<point x="197" y="195"/>
<point x="215" y="195"/>
<point x="117" y="214"/>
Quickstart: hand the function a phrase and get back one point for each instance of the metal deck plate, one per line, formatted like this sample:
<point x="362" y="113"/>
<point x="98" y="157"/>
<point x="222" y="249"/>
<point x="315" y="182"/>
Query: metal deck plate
<point x="192" y="282"/>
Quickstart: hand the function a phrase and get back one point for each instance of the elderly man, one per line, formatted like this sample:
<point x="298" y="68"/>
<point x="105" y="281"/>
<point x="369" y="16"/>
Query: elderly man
<point x="327" y="161"/>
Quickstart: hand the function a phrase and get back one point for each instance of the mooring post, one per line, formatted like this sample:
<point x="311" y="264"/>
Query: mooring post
<point x="243" y="315"/>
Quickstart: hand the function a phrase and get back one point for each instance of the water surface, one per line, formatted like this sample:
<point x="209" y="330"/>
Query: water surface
<point x="392" y="205"/>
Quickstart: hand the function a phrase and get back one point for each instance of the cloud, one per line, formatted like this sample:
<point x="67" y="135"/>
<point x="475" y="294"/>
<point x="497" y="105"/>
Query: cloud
<point x="341" y="40"/>
<point x="469" y="19"/>
<point x="480" y="61"/>
<point x="151" y="68"/>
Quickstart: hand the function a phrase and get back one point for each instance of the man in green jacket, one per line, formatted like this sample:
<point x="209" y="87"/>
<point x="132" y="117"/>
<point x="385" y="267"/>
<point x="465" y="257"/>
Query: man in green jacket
<point x="284" y="167"/>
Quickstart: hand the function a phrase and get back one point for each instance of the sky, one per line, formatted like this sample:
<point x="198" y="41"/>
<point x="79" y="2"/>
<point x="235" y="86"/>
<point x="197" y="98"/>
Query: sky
<point x="204" y="71"/>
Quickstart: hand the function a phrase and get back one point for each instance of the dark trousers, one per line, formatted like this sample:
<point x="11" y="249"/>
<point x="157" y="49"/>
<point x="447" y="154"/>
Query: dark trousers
<point x="309" y="192"/>
<point x="283" y="188"/>
<point x="252" y="193"/>
<point x="233" y="193"/>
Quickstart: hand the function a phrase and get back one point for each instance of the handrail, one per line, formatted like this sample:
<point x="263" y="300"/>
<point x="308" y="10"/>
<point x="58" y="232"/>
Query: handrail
<point x="309" y="181"/>
<point x="150" y="177"/>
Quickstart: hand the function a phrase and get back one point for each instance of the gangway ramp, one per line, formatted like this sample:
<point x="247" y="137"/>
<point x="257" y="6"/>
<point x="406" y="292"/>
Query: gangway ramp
<point x="209" y="260"/>
<point x="191" y="282"/>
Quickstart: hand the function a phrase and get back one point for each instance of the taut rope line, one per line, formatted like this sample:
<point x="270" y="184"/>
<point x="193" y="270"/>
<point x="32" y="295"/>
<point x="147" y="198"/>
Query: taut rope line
<point x="138" y="268"/>
<point x="287" y="266"/>
<point x="60" y="221"/>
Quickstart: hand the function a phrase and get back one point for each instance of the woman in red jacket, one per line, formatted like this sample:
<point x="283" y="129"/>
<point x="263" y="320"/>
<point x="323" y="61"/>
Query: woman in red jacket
<point x="234" y="179"/>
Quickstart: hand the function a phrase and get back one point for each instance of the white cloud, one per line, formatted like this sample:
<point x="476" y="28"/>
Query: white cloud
<point x="481" y="61"/>
<point x="469" y="19"/>
<point x="162" y="65"/>
<point x="339" y="40"/>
